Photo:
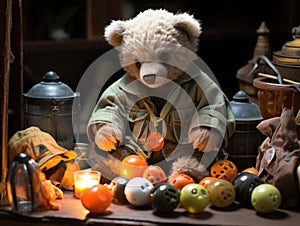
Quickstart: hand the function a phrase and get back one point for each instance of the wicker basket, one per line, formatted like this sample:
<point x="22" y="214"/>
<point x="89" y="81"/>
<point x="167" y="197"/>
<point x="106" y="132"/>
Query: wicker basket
<point x="273" y="97"/>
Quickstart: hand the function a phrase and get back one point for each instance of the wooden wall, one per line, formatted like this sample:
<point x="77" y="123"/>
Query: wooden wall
<point x="11" y="73"/>
<point x="227" y="42"/>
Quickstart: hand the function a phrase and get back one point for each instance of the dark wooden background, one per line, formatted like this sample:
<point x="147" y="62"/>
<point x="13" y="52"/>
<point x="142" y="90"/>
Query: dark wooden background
<point x="227" y="42"/>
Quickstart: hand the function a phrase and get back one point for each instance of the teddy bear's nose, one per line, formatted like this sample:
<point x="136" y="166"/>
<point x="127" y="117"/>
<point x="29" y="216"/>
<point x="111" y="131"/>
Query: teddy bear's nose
<point x="150" y="78"/>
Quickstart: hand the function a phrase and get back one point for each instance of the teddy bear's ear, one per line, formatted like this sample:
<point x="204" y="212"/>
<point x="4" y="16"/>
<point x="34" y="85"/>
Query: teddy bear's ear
<point x="113" y="33"/>
<point x="188" y="25"/>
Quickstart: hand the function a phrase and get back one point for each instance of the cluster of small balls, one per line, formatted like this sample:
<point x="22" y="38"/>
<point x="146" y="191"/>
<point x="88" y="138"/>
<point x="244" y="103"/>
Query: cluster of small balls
<point x="143" y="185"/>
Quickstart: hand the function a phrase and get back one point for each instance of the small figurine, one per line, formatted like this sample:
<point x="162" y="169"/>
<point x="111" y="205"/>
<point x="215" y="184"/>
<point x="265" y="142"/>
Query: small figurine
<point x="49" y="193"/>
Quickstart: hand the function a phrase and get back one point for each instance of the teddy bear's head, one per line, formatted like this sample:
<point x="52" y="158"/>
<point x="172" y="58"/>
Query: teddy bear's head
<point x="155" y="46"/>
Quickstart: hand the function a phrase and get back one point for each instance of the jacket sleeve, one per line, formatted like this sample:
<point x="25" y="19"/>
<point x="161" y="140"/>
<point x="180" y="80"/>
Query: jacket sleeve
<point x="213" y="108"/>
<point x="109" y="109"/>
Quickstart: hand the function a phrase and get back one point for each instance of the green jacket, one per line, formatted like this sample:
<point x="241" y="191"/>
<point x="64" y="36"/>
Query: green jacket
<point x="196" y="101"/>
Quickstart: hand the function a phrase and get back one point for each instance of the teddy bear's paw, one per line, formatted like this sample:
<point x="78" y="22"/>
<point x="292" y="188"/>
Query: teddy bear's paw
<point x="205" y="139"/>
<point x="199" y="138"/>
<point x="191" y="167"/>
<point x="108" y="137"/>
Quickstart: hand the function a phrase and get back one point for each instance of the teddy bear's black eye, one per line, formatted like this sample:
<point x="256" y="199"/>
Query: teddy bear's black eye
<point x="164" y="57"/>
<point x="138" y="64"/>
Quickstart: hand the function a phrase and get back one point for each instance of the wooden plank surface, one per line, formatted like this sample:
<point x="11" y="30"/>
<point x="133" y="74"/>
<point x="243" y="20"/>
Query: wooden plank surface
<point x="73" y="212"/>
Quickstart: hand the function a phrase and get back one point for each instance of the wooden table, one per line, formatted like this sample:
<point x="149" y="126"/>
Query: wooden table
<point x="72" y="213"/>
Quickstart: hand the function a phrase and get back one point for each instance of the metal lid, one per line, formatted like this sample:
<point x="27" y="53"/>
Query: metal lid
<point x="290" y="52"/>
<point x="243" y="109"/>
<point x="292" y="48"/>
<point x="22" y="158"/>
<point x="50" y="88"/>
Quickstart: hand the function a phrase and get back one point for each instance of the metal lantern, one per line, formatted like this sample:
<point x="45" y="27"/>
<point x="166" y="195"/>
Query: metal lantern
<point x="22" y="183"/>
<point x="53" y="107"/>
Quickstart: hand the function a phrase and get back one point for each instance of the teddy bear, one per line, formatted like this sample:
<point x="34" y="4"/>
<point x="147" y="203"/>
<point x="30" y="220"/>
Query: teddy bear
<point x="164" y="108"/>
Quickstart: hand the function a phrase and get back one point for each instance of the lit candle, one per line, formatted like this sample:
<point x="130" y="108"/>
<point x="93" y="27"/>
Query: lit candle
<point x="85" y="179"/>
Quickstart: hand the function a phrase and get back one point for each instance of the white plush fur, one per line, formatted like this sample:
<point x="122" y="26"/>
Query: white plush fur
<point x="191" y="24"/>
<point x="156" y="47"/>
<point x="113" y="32"/>
<point x="154" y="25"/>
<point x="150" y="35"/>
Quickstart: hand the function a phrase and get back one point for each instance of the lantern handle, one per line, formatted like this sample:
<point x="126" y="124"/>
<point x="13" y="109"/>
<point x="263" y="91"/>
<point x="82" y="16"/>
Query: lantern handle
<point x="279" y="77"/>
<point x="296" y="32"/>
<point x="268" y="62"/>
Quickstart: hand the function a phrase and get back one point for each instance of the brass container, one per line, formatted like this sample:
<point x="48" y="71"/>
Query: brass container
<point x="287" y="60"/>
<point x="262" y="47"/>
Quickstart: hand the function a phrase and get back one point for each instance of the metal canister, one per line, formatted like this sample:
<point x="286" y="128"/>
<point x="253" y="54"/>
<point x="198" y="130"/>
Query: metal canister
<point x="287" y="60"/>
<point x="53" y="107"/>
<point x="244" y="143"/>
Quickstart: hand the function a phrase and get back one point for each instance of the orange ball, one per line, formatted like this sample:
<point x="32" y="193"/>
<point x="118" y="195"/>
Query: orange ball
<point x="223" y="169"/>
<point x="180" y="180"/>
<point x="96" y="199"/>
<point x="252" y="170"/>
<point x="205" y="182"/>
<point x="133" y="166"/>
<point x="155" y="174"/>
<point x="154" y="142"/>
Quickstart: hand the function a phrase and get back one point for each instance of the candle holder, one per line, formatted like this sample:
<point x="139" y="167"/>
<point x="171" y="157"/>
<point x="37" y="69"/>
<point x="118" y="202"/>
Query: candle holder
<point x="84" y="179"/>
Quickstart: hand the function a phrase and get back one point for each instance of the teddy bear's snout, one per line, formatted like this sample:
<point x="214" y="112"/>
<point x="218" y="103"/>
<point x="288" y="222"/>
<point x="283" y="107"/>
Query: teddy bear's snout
<point x="149" y="78"/>
<point x="153" y="74"/>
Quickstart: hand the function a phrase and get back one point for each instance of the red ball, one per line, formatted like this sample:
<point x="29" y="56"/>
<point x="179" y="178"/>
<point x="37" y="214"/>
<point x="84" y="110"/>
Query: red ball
<point x="133" y="166"/>
<point x="96" y="199"/>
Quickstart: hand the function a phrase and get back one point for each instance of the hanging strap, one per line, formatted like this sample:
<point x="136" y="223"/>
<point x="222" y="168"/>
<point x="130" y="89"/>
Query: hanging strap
<point x="154" y="121"/>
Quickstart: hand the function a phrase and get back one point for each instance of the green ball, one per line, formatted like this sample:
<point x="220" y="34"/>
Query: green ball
<point x="265" y="198"/>
<point x="194" y="198"/>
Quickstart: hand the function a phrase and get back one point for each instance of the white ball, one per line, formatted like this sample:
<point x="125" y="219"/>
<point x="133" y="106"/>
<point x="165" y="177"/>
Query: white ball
<point x="137" y="191"/>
